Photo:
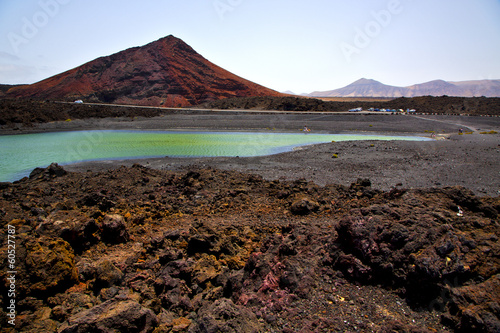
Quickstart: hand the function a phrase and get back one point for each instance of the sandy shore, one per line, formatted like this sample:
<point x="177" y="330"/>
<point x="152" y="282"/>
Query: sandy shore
<point x="469" y="160"/>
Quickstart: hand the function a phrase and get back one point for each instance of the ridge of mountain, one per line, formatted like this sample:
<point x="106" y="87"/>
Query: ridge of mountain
<point x="372" y="88"/>
<point x="167" y="72"/>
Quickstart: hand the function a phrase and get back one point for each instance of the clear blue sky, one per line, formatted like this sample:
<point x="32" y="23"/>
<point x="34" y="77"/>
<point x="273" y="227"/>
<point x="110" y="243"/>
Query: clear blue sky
<point x="295" y="45"/>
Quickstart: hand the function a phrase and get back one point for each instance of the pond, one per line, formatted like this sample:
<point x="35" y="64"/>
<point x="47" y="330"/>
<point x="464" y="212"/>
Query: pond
<point x="20" y="154"/>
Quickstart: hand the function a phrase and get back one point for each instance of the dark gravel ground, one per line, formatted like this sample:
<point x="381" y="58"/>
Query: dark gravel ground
<point x="279" y="121"/>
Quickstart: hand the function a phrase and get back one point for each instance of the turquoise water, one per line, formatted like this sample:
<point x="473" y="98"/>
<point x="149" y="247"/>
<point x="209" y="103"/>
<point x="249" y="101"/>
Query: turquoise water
<point x="22" y="153"/>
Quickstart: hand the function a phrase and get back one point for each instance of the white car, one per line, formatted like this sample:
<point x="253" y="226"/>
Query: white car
<point x="78" y="101"/>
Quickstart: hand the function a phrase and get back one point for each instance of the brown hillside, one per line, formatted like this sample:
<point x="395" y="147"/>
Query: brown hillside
<point x="167" y="72"/>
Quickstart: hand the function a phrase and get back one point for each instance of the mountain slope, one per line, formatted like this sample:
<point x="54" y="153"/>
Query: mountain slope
<point x="363" y="87"/>
<point x="167" y="72"/>
<point x="488" y="88"/>
<point x="433" y="88"/>
<point x="372" y="88"/>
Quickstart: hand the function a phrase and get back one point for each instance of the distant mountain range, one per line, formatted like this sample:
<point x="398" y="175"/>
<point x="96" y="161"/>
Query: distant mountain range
<point x="167" y="72"/>
<point x="372" y="88"/>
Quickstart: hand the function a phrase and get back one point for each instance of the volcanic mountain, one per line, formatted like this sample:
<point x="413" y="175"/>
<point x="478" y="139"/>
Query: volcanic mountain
<point x="167" y="72"/>
<point x="372" y="88"/>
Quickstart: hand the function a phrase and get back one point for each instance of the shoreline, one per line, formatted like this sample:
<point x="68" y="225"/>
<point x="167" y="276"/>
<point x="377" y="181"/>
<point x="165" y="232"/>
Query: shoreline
<point x="388" y="164"/>
<point x="465" y="160"/>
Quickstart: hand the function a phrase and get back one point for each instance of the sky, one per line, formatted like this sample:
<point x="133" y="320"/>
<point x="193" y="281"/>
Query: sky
<point x="300" y="46"/>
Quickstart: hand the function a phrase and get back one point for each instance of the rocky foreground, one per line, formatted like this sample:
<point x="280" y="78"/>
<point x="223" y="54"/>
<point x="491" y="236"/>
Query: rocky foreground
<point x="203" y="250"/>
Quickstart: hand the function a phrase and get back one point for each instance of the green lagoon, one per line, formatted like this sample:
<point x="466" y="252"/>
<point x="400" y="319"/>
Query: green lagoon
<point x="20" y="154"/>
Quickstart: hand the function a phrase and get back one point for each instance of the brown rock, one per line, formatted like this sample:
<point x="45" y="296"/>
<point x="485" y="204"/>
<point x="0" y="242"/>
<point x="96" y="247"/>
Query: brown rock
<point x="206" y="269"/>
<point x="52" y="171"/>
<point x="478" y="306"/>
<point x="114" y="230"/>
<point x="225" y="316"/>
<point x="107" y="274"/>
<point x="50" y="265"/>
<point x="180" y="324"/>
<point x="116" y="315"/>
<point x="304" y="206"/>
